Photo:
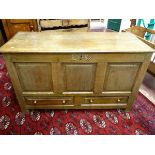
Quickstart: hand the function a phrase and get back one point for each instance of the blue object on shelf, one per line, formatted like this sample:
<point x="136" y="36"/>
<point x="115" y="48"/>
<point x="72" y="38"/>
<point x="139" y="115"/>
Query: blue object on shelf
<point x="150" y="26"/>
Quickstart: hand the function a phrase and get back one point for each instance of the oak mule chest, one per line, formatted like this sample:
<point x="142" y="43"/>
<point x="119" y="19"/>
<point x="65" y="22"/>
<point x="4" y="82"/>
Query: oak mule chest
<point x="76" y="70"/>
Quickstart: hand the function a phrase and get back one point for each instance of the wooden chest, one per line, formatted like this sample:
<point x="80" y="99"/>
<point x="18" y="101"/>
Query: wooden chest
<point x="76" y="70"/>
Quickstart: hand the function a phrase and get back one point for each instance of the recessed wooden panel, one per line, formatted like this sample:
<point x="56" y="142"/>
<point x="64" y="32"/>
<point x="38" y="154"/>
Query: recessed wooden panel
<point x="120" y="76"/>
<point x="35" y="76"/>
<point x="20" y="27"/>
<point x="79" y="77"/>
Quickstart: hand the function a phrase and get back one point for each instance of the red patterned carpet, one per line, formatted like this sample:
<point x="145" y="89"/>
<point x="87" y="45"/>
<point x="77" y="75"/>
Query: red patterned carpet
<point x="141" y="119"/>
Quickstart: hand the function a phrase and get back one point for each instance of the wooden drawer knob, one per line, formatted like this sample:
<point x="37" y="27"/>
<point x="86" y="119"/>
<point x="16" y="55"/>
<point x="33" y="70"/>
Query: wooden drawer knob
<point x="64" y="101"/>
<point x="35" y="102"/>
<point x="31" y="28"/>
<point x="91" y="101"/>
<point x="118" y="100"/>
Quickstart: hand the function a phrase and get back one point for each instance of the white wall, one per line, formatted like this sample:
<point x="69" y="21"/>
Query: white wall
<point x="125" y="24"/>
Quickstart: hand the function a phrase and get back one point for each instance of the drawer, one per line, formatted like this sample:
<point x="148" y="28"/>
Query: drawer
<point x="105" y="100"/>
<point x="65" y="22"/>
<point x="49" y="100"/>
<point x="73" y="22"/>
<point x="83" y="29"/>
<point x="78" y="21"/>
<point x="50" y="23"/>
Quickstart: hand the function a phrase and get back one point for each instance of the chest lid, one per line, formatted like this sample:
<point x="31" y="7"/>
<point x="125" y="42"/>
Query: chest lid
<point x="74" y="42"/>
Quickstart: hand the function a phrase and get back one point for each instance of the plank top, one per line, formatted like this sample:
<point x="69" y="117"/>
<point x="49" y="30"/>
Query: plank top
<point x="76" y="42"/>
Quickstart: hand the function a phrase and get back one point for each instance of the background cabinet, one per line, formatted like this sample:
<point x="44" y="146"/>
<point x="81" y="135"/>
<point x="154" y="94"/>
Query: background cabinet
<point x="12" y="26"/>
<point x="63" y="25"/>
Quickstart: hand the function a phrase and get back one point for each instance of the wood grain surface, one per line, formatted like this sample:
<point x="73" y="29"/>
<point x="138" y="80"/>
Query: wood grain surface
<point x="65" y="42"/>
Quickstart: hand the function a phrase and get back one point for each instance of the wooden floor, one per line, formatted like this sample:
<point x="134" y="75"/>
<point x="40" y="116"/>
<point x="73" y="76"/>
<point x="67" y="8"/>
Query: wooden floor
<point x="149" y="81"/>
<point x="148" y="87"/>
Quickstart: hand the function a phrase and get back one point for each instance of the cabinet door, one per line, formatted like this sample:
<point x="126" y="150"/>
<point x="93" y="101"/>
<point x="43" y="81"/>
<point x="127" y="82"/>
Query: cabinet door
<point x="120" y="76"/>
<point x="12" y="26"/>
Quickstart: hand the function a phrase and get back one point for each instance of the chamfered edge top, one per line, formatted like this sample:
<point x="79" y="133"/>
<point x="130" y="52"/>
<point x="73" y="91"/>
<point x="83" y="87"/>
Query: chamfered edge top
<point x="77" y="42"/>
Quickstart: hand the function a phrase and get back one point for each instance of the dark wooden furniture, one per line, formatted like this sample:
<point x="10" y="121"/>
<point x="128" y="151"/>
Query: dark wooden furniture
<point x="133" y="22"/>
<point x="1" y="39"/>
<point x="12" y="26"/>
<point x="78" y="70"/>
<point x="2" y="34"/>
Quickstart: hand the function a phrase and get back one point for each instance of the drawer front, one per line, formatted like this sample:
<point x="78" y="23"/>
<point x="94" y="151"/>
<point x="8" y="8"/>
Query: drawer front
<point x="78" y="22"/>
<point x="50" y="23"/>
<point x="65" y="22"/>
<point x="105" y="100"/>
<point x="49" y="100"/>
<point x="73" y="22"/>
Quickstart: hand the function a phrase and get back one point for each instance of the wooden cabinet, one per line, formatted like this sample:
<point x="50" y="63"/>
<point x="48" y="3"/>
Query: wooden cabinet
<point x="55" y="23"/>
<point x="1" y="38"/>
<point x="12" y="26"/>
<point x="73" y="22"/>
<point x="64" y="25"/>
<point x="76" y="70"/>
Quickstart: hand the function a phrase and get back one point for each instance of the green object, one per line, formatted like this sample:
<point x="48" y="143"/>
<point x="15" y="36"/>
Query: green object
<point x="114" y="24"/>
<point x="139" y="22"/>
<point x="150" y="26"/>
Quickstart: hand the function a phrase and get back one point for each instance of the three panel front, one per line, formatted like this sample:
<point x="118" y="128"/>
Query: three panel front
<point x="76" y="77"/>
